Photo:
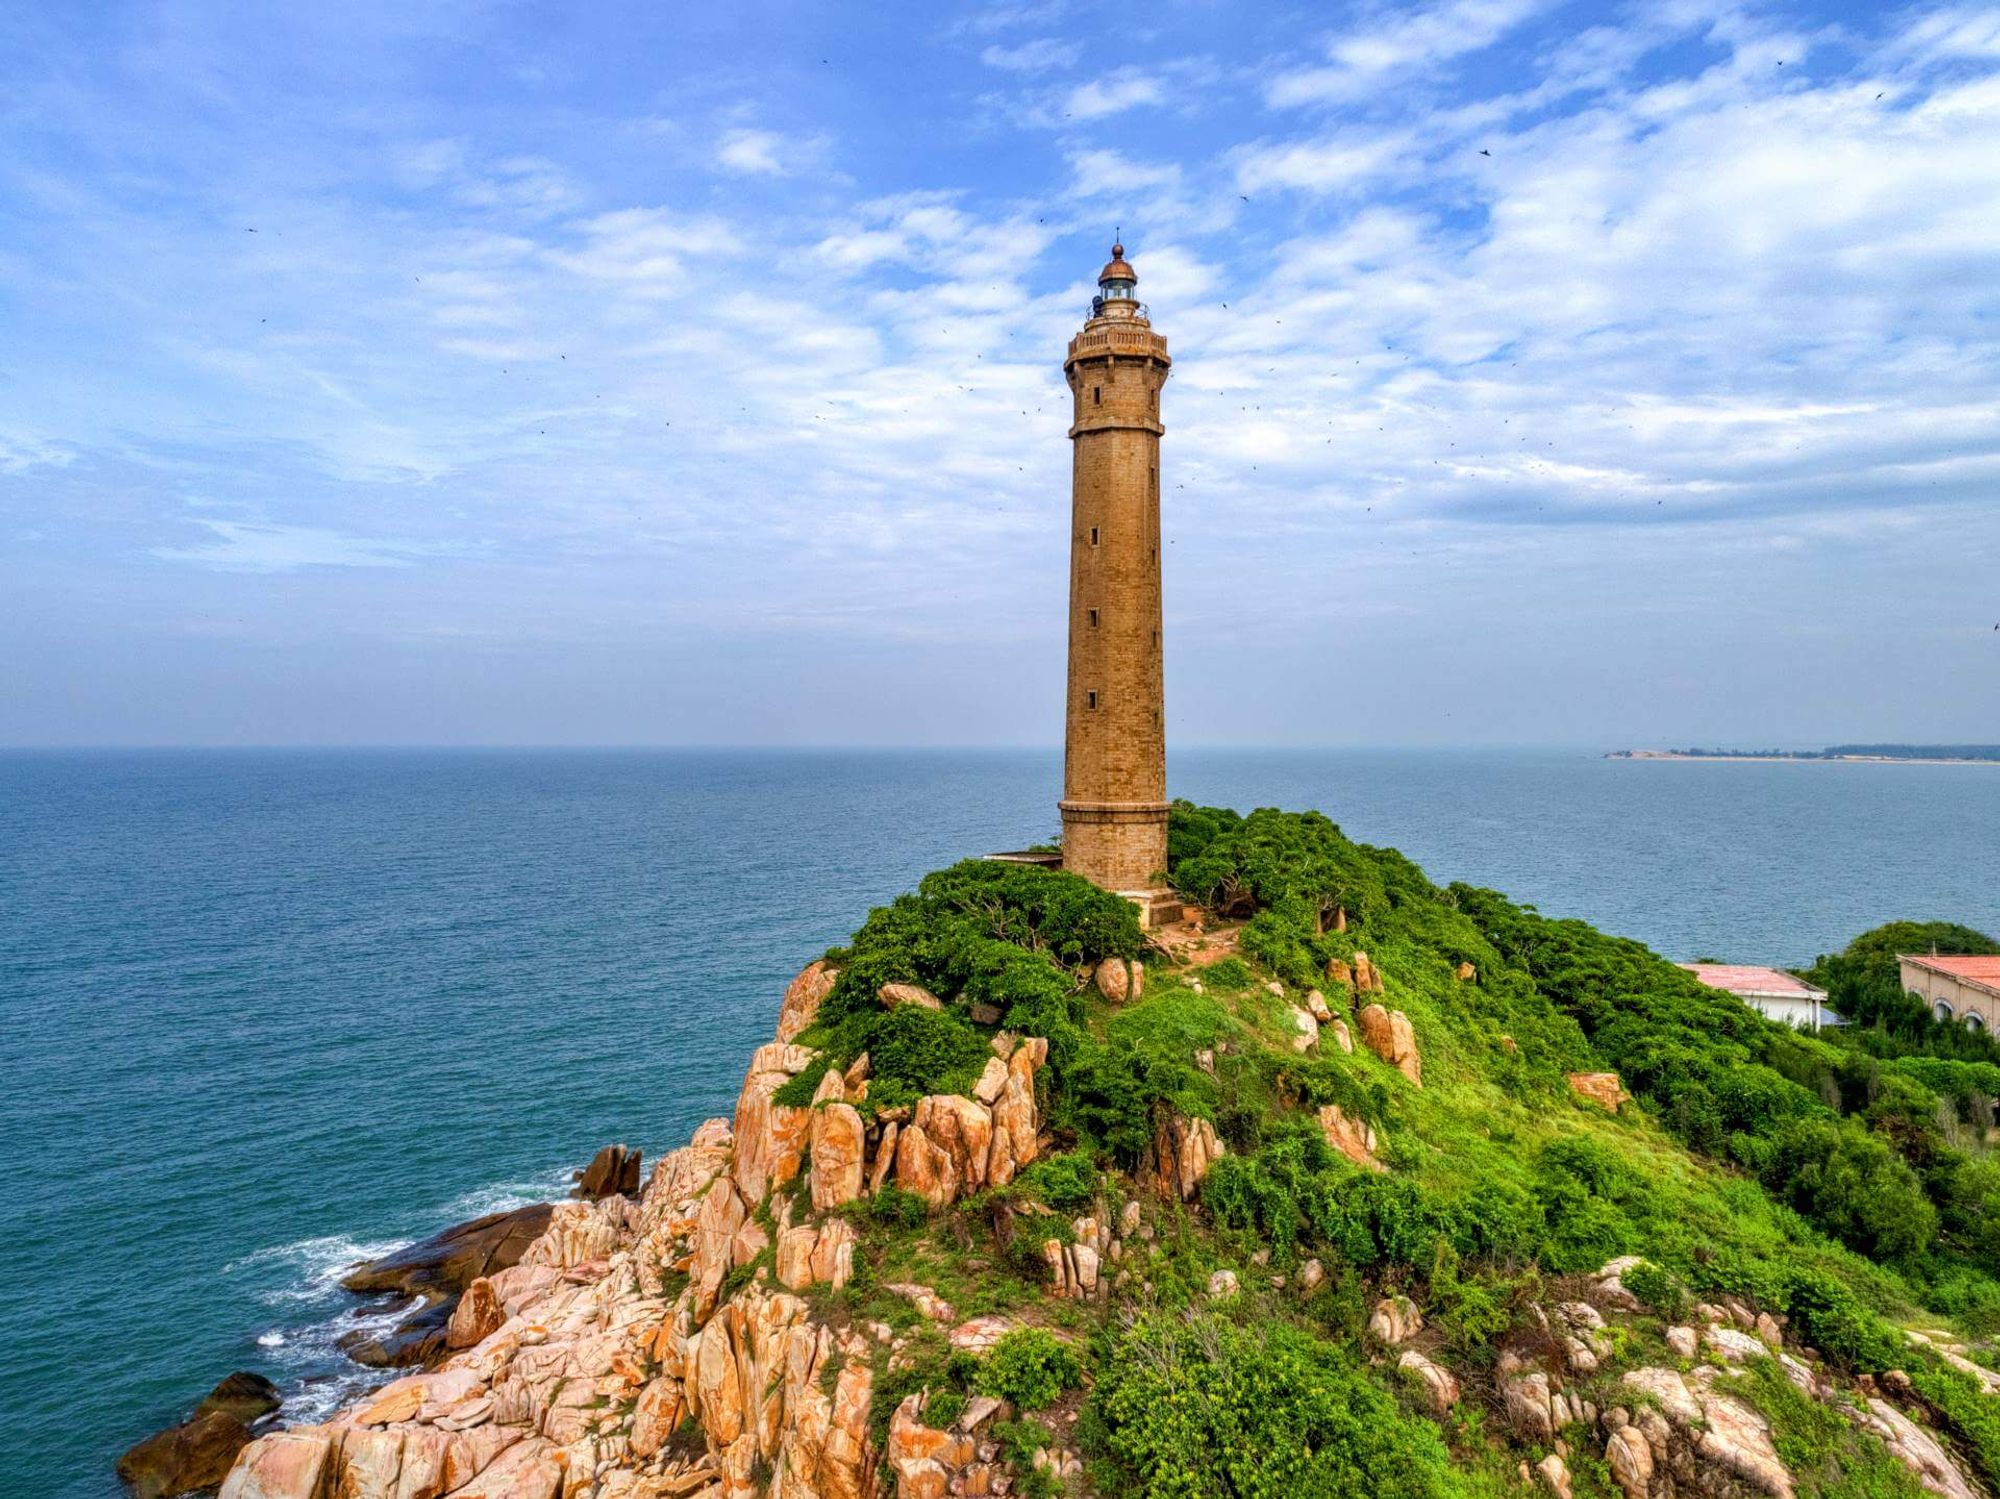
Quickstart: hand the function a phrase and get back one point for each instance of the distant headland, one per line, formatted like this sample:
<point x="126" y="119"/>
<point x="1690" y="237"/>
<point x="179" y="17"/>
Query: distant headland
<point x="1927" y="754"/>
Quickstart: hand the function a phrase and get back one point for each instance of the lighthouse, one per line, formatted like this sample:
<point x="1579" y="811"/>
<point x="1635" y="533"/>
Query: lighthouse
<point x="1114" y="802"/>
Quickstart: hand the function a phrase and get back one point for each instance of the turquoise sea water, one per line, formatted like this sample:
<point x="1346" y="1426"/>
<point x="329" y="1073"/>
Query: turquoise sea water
<point x="262" y="1013"/>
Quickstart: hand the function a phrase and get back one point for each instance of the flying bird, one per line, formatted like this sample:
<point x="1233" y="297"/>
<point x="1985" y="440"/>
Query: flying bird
<point x="1484" y="152"/>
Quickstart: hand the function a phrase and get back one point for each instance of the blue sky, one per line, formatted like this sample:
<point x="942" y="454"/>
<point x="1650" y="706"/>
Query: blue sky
<point x="642" y="373"/>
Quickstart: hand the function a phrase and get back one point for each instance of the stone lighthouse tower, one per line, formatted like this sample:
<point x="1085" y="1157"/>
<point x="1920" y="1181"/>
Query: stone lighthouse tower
<point x="1114" y="806"/>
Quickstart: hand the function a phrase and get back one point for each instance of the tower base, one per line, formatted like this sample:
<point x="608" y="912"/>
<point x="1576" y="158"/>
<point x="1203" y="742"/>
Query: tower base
<point x="1120" y="846"/>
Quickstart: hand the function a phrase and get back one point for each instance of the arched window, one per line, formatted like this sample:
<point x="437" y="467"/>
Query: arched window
<point x="1975" y="1022"/>
<point x="1943" y="1009"/>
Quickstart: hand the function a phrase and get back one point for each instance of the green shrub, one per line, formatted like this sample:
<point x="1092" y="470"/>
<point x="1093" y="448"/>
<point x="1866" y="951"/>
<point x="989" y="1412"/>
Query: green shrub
<point x="1067" y="1182"/>
<point x="1657" y="1289"/>
<point x="1029" y="1368"/>
<point x="1202" y="1409"/>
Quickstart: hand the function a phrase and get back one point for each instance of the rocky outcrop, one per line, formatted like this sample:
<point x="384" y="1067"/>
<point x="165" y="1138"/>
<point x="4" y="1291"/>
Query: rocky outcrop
<point x="1441" y="1388"/>
<point x="1183" y="1149"/>
<point x="839" y="1145"/>
<point x="1600" y="1088"/>
<point x="892" y="995"/>
<point x="614" y="1170"/>
<point x="803" y="997"/>
<point x="1306" y="1030"/>
<point x="477" y="1316"/>
<point x="770" y="1138"/>
<point x="1342" y="1036"/>
<point x="1367" y="978"/>
<point x="1389" y="1035"/>
<point x="449" y="1262"/>
<point x="954" y="1144"/>
<point x="193" y="1457"/>
<point x="1353" y="1138"/>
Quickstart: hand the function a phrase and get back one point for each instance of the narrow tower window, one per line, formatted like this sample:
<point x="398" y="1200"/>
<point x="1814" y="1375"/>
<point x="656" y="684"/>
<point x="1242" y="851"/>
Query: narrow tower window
<point x="1097" y="395"/>
<point x="1093" y="619"/>
<point x="1093" y="536"/>
<point x="1090" y="699"/>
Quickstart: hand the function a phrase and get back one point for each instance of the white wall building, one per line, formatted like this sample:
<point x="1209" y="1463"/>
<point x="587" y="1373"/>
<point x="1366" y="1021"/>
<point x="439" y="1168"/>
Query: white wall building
<point x="1771" y="992"/>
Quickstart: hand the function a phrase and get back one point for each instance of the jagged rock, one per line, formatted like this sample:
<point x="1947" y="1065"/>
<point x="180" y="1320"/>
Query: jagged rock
<point x="1554" y="1474"/>
<point x="1529" y="1406"/>
<point x="1389" y="1035"/>
<point x="195" y="1455"/>
<point x="1667" y="1390"/>
<point x="1465" y="973"/>
<point x="1316" y="1003"/>
<point x="1600" y="1088"/>
<point x="925" y="1461"/>
<point x="816" y="1254"/>
<point x="450" y="1261"/>
<point x="283" y="1465"/>
<point x="614" y="1170"/>
<point x="992" y="1082"/>
<point x="580" y="1232"/>
<point x="1222" y="1285"/>
<point x="1312" y="1275"/>
<point x="1682" y="1341"/>
<point x="803" y="997"/>
<point x="1440" y="1387"/>
<point x="1768" y="1331"/>
<point x="1918" y="1451"/>
<point x="1739" y="1439"/>
<point x="839" y="1150"/>
<point x="1367" y="979"/>
<point x="1396" y="1320"/>
<point x="1630" y="1459"/>
<point x="770" y="1138"/>
<point x="885" y="1157"/>
<point x="1342" y="1036"/>
<point x="477" y="1316"/>
<point x="1183" y="1150"/>
<point x="1307" y="1028"/>
<point x="1072" y="1269"/>
<point x="1353" y="1138"/>
<point x="892" y="995"/>
<point x="246" y="1396"/>
<point x="1016" y="1126"/>
<point x="1339" y="972"/>
<point x="980" y="1334"/>
<point x="1120" y="979"/>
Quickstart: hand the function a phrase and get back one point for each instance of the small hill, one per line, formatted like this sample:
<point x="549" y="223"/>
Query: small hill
<point x="1351" y="1185"/>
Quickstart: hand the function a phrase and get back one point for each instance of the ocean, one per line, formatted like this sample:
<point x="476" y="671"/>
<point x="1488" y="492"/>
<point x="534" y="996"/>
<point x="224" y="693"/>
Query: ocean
<point x="263" y="1013"/>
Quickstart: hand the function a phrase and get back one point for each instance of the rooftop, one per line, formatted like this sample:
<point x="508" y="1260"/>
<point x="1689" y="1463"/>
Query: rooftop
<point x="1749" y="978"/>
<point x="1981" y="969"/>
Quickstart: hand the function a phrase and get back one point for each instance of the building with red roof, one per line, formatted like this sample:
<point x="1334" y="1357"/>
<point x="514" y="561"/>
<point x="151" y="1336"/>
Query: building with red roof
<point x="1964" y="987"/>
<point x="1771" y="992"/>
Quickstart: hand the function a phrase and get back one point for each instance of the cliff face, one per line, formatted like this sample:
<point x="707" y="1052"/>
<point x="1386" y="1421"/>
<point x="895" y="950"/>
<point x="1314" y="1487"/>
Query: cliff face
<point x="660" y="1348"/>
<point x="1342" y="1198"/>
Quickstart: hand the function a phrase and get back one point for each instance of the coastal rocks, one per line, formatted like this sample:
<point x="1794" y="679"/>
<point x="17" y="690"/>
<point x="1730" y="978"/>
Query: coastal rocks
<point x="284" y="1465"/>
<point x="770" y="1138"/>
<point x="1353" y="1138"/>
<point x="1367" y="977"/>
<point x="1554" y="1475"/>
<point x="613" y="1171"/>
<point x="839" y="1146"/>
<point x="1600" y="1088"/>
<point x="816" y="1254"/>
<point x="1120" y="980"/>
<point x="452" y="1260"/>
<point x="246" y="1396"/>
<point x="892" y="995"/>
<point x="1389" y="1035"/>
<point x="1440" y="1385"/>
<point x="925" y="1461"/>
<point x="955" y="1144"/>
<point x="477" y="1316"/>
<point x="803" y="997"/>
<point x="1183" y="1149"/>
<point x="195" y="1455"/>
<point x="1307" y="1029"/>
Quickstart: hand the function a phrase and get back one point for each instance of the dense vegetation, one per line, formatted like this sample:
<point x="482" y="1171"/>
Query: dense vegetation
<point x="1843" y="1183"/>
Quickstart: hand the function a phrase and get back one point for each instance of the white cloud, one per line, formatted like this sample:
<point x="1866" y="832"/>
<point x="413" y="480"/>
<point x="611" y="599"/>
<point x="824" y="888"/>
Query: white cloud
<point x="1114" y="93"/>
<point x="751" y="152"/>
<point x="1397" y="43"/>
<point x="240" y="546"/>
<point x="1042" y="55"/>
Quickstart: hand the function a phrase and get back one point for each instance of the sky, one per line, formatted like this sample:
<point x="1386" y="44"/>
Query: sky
<point x="505" y="372"/>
